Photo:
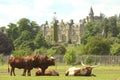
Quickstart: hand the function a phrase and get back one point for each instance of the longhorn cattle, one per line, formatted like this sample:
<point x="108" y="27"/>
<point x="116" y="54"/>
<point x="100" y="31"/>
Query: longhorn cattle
<point x="30" y="62"/>
<point x="83" y="71"/>
<point x="48" y="72"/>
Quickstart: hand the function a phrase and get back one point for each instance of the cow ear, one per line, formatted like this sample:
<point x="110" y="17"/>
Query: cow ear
<point x="46" y="57"/>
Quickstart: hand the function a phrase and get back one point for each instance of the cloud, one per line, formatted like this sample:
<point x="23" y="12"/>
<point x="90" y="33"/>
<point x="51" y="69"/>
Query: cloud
<point x="42" y="10"/>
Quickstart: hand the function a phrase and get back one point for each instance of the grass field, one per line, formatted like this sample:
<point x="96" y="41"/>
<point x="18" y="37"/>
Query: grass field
<point x="101" y="72"/>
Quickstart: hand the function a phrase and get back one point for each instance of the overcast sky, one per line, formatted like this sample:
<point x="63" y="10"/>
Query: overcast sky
<point x="42" y="10"/>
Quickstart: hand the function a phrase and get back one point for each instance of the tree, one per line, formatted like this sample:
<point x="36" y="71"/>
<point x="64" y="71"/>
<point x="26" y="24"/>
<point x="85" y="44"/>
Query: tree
<point x="113" y="26"/>
<point x="60" y="50"/>
<point x="97" y="45"/>
<point x="24" y="40"/>
<point x="40" y="41"/>
<point x="70" y="56"/>
<point x="24" y="24"/>
<point x="91" y="29"/>
<point x="6" y="45"/>
<point x="115" y="49"/>
<point x="104" y="25"/>
<point x="55" y="32"/>
<point x="12" y="31"/>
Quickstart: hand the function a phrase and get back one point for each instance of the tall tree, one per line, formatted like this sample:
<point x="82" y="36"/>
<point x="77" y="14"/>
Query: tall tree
<point x="104" y="25"/>
<point x="91" y="29"/>
<point x="55" y="32"/>
<point x="97" y="45"/>
<point x="6" y="45"/>
<point x="12" y="31"/>
<point x="24" y="40"/>
<point x="113" y="25"/>
<point x="40" y="41"/>
<point x="24" y="24"/>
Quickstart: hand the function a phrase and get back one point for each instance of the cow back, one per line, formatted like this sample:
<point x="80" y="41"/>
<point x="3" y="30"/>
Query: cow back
<point x="17" y="62"/>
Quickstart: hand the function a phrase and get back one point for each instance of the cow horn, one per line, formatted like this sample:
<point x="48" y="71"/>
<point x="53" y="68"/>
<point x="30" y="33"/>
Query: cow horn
<point x="82" y="64"/>
<point x="11" y="55"/>
<point x="95" y="65"/>
<point x="52" y="57"/>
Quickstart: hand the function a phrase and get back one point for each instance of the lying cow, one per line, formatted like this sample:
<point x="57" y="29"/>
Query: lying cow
<point x="83" y="71"/>
<point x="48" y="72"/>
<point x="30" y="62"/>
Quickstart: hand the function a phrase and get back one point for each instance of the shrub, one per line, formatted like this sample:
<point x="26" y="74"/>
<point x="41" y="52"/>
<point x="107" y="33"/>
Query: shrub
<point x="41" y="50"/>
<point x="115" y="49"/>
<point x="70" y="56"/>
<point x="1" y="59"/>
<point x="89" y="60"/>
<point x="22" y="52"/>
<point x="60" y="50"/>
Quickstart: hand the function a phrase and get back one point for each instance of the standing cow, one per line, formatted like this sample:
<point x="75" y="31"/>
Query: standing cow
<point x="30" y="62"/>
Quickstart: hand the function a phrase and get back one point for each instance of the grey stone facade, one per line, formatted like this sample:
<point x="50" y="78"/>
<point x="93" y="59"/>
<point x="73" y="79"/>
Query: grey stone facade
<point x="68" y="30"/>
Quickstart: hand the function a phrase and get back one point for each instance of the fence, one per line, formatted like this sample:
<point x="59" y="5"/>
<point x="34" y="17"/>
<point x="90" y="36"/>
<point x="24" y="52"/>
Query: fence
<point x="102" y="59"/>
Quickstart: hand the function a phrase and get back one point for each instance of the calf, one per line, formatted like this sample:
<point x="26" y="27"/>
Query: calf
<point x="48" y="72"/>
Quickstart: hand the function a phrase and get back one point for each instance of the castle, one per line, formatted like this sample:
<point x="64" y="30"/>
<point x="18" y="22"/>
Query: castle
<point x="69" y="30"/>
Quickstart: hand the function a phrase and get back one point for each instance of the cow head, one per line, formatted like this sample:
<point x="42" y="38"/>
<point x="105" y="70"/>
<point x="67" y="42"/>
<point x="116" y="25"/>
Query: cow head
<point x="88" y="68"/>
<point x="51" y="61"/>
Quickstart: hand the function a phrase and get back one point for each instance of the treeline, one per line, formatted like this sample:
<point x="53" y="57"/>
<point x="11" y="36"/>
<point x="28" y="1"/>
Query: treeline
<point x="99" y="38"/>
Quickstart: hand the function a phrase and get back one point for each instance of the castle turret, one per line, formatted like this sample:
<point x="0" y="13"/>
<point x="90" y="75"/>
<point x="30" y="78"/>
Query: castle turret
<point x="91" y="15"/>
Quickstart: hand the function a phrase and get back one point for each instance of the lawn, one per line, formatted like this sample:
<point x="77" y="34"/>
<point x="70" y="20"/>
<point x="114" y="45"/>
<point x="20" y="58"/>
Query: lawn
<point x="101" y="72"/>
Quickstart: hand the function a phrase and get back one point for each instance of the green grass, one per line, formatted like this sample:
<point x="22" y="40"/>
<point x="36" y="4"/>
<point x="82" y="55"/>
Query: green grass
<point x="101" y="72"/>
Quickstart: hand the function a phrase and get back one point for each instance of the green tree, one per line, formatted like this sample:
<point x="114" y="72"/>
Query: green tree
<point x="6" y="45"/>
<point x="55" y="32"/>
<point x="105" y="26"/>
<point x="115" y="49"/>
<point x="91" y="29"/>
<point x="12" y="31"/>
<point x="24" y="40"/>
<point x="35" y="28"/>
<point x="113" y="26"/>
<point x="97" y="45"/>
<point x="40" y="41"/>
<point x="60" y="50"/>
<point x="22" y="52"/>
<point x="24" y="24"/>
<point x="70" y="56"/>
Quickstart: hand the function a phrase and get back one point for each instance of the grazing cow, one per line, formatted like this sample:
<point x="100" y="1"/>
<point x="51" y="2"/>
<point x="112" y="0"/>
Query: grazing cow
<point x="48" y="72"/>
<point x="30" y="62"/>
<point x="83" y="71"/>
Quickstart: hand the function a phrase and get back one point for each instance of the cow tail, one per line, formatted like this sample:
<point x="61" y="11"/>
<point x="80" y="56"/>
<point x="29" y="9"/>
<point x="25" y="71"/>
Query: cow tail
<point x="8" y="68"/>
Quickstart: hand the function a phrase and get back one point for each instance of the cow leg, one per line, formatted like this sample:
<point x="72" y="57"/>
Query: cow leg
<point x="43" y="72"/>
<point x="29" y="73"/>
<point x="24" y="72"/>
<point x="13" y="70"/>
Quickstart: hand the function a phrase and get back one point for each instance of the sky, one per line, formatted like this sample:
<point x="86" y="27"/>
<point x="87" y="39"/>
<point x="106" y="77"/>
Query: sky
<point x="11" y="11"/>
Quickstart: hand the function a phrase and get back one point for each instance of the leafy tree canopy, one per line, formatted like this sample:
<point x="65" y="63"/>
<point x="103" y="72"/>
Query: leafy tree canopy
<point x="97" y="45"/>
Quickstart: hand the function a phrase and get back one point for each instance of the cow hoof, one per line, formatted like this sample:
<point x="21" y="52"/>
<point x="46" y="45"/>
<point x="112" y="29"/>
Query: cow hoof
<point x="29" y="74"/>
<point x="23" y="75"/>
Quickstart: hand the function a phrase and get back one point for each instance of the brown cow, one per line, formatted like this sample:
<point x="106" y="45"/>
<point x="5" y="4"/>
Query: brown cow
<point x="43" y="62"/>
<point x="48" y="72"/>
<point x="30" y="62"/>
